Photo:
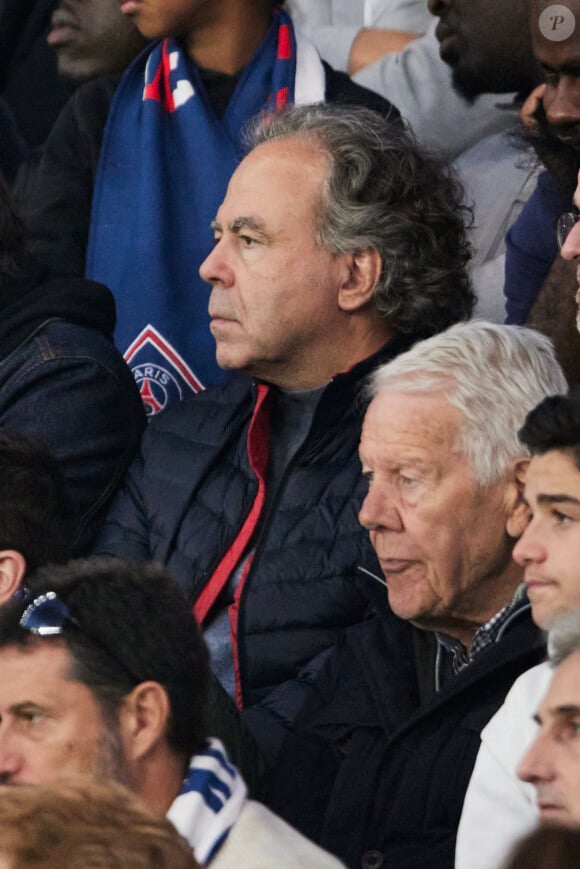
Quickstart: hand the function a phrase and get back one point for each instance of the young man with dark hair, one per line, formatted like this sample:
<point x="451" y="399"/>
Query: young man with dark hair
<point x="549" y="550"/>
<point x="105" y="672"/>
<point x="34" y="519"/>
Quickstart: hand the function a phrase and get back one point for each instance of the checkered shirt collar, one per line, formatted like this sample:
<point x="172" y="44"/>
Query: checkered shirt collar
<point x="485" y="635"/>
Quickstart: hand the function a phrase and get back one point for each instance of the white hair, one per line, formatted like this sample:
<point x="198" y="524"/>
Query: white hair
<point x="493" y="374"/>
<point x="564" y="637"/>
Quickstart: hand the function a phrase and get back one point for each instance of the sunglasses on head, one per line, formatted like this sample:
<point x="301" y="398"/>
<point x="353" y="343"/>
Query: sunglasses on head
<point x="47" y="616"/>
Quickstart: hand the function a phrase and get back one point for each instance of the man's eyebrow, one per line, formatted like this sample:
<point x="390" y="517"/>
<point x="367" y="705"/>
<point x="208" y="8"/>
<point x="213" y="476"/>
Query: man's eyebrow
<point x="26" y="706"/>
<point x="242" y="223"/>
<point x="568" y="710"/>
<point x="557" y="499"/>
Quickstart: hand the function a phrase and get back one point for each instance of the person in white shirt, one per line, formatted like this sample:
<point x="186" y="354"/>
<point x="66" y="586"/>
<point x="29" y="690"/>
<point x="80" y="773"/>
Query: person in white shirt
<point x="499" y="808"/>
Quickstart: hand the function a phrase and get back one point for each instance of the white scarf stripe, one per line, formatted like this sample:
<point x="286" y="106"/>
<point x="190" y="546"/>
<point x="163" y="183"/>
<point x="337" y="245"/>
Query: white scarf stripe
<point x="209" y="805"/>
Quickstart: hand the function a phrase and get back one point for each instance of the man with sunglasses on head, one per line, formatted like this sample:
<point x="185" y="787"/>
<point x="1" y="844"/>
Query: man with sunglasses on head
<point x="93" y="684"/>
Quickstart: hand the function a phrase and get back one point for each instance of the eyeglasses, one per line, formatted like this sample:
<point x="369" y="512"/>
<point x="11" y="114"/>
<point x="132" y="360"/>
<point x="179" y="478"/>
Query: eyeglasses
<point x="563" y="226"/>
<point x="48" y="615"/>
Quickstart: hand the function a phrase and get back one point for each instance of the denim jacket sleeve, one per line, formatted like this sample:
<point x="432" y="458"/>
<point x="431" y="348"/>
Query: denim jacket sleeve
<point x="69" y="388"/>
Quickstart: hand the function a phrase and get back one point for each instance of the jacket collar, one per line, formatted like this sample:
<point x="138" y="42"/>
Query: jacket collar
<point x="343" y="397"/>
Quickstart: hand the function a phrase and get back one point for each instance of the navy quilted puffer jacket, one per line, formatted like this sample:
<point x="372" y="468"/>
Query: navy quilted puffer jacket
<point x="192" y="488"/>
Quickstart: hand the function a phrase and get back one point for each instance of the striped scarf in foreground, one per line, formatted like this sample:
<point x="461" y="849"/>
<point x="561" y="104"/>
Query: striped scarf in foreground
<point x="210" y="801"/>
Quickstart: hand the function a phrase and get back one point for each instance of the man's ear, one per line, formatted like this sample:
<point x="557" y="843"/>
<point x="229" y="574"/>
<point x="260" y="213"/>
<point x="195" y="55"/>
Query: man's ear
<point x="143" y="719"/>
<point x="12" y="570"/>
<point x="518" y="512"/>
<point x="362" y="272"/>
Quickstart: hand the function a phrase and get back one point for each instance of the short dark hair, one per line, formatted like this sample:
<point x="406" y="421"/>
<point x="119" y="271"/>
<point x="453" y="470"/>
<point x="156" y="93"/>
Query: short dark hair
<point x="554" y="424"/>
<point x="34" y="516"/>
<point x="131" y="624"/>
<point x="384" y="192"/>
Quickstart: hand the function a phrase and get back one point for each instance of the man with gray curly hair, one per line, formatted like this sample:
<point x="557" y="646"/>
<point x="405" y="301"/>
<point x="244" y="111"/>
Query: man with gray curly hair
<point x="337" y="245"/>
<point x="389" y="740"/>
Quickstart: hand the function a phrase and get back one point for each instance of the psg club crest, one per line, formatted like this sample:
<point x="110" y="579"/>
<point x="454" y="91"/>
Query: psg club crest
<point x="162" y="375"/>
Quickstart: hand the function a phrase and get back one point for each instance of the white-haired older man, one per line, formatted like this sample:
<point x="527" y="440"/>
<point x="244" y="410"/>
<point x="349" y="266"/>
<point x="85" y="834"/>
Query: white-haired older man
<point x="387" y="742"/>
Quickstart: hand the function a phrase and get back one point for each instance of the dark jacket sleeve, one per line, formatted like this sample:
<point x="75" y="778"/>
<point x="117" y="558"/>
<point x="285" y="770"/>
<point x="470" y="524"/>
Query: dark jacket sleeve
<point x="53" y="190"/>
<point x="84" y="406"/>
<point x="125" y="532"/>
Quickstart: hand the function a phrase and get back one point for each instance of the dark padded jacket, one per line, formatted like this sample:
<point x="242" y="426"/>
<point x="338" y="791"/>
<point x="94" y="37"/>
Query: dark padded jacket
<point x="192" y="489"/>
<point x="377" y="765"/>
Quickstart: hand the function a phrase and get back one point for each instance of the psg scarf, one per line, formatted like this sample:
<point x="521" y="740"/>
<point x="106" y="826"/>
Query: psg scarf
<point x="164" y="167"/>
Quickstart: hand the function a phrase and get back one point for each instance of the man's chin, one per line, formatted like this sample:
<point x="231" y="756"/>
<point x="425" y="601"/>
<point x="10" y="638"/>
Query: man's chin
<point x="466" y="84"/>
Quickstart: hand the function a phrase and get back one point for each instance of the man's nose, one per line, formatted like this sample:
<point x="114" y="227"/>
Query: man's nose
<point x="10" y="760"/>
<point x="571" y="247"/>
<point x="215" y="268"/>
<point x="529" y="549"/>
<point x="535" y="766"/>
<point x="562" y="102"/>
<point x="378" y="510"/>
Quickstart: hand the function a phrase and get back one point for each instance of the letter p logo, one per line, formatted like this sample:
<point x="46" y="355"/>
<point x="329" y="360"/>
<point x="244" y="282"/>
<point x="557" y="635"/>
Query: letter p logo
<point x="557" y="23"/>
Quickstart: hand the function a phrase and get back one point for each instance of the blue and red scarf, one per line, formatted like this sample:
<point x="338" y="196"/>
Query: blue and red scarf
<point x="165" y="163"/>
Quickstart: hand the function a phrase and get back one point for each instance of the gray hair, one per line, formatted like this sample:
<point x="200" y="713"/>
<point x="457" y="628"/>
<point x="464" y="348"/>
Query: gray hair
<point x="493" y="374"/>
<point x="382" y="192"/>
<point x="564" y="637"/>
